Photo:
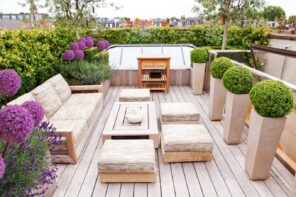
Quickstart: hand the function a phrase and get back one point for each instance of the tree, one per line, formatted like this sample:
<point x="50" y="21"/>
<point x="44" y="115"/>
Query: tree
<point x="33" y="9"/>
<point x="229" y="11"/>
<point x="271" y="13"/>
<point x="292" y="20"/>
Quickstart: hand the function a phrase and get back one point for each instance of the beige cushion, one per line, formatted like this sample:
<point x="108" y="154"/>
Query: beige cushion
<point x="84" y="98"/>
<point x="178" y="112"/>
<point x="61" y="87"/>
<point x="134" y="95"/>
<point x="46" y="96"/>
<point x="186" y="138"/>
<point x="21" y="99"/>
<point x="127" y="156"/>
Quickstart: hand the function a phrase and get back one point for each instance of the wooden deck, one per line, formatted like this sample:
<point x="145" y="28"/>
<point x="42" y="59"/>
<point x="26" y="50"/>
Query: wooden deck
<point x="223" y="176"/>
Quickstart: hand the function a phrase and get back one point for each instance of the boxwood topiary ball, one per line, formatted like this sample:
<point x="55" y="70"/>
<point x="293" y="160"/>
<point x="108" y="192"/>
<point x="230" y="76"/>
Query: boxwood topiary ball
<point x="238" y="80"/>
<point x="199" y="55"/>
<point x="219" y="66"/>
<point x="272" y="98"/>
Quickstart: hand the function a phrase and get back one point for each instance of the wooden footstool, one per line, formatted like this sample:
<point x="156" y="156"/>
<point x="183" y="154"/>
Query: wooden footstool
<point x="134" y="95"/>
<point x="175" y="113"/>
<point x="127" y="161"/>
<point x="186" y="142"/>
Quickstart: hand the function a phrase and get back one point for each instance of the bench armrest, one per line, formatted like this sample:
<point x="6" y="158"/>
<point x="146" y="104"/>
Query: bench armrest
<point x="86" y="88"/>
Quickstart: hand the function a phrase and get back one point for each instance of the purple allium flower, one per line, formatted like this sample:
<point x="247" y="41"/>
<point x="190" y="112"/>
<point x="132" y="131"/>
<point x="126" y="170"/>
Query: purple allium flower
<point x="36" y="111"/>
<point x="81" y="45"/>
<point x="74" y="46"/>
<point x="89" y="43"/>
<point x="102" y="44"/>
<point x="81" y="40"/>
<point x="10" y="82"/>
<point x="68" y="55"/>
<point x="2" y="167"/>
<point x="79" y="54"/>
<point x="16" y="124"/>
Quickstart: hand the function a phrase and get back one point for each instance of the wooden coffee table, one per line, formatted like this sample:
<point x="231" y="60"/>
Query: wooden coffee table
<point x="117" y="127"/>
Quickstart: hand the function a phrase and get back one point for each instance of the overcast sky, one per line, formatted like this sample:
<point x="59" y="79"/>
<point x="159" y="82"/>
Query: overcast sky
<point x="146" y="8"/>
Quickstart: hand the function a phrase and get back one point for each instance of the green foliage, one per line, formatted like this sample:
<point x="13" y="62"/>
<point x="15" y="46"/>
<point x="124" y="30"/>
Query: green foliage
<point x="272" y="98"/>
<point x="292" y="19"/>
<point x="102" y="58"/>
<point x="199" y="55"/>
<point x="238" y="80"/>
<point x="271" y="13"/>
<point x="219" y="66"/>
<point x="90" y="53"/>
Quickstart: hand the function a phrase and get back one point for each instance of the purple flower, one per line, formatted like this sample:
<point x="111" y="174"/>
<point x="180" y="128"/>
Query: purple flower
<point x="16" y="124"/>
<point x="36" y="111"/>
<point x="10" y="82"/>
<point x="89" y="43"/>
<point x="68" y="55"/>
<point x="74" y="46"/>
<point x="2" y="167"/>
<point x="89" y="38"/>
<point x="81" y="40"/>
<point x="102" y="44"/>
<point x="79" y="54"/>
<point x="81" y="45"/>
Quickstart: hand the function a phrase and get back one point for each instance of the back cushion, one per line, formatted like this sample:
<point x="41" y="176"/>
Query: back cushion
<point x="61" y="87"/>
<point x="20" y="100"/>
<point x="46" y="96"/>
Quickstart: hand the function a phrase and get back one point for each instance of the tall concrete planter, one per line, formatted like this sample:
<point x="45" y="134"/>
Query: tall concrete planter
<point x="236" y="109"/>
<point x="217" y="99"/>
<point x="264" y="136"/>
<point x="197" y="77"/>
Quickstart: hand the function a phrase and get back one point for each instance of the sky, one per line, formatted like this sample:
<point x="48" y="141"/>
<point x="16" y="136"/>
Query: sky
<point x="146" y="8"/>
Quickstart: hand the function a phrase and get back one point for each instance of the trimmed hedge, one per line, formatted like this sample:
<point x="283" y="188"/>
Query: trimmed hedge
<point x="272" y="98"/>
<point x="199" y="55"/>
<point x="238" y="80"/>
<point x="219" y="66"/>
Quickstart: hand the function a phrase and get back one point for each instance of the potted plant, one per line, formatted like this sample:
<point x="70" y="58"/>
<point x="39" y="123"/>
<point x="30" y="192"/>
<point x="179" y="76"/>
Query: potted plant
<point x="238" y="82"/>
<point x="217" y="91"/>
<point x="272" y="101"/>
<point x="199" y="57"/>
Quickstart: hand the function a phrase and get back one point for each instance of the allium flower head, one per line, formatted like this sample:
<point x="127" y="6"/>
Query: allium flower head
<point x="35" y="110"/>
<point x="102" y="44"/>
<point x="74" y="46"/>
<point x="79" y="54"/>
<point x="68" y="55"/>
<point x="81" y="40"/>
<point x="10" y="82"/>
<point x="16" y="124"/>
<point x="2" y="167"/>
<point x="89" y="43"/>
<point x="81" y="45"/>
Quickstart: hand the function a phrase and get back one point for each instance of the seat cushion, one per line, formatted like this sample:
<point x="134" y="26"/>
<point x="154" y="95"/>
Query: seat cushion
<point x="127" y="156"/>
<point x="134" y="95"/>
<point x="61" y="87"/>
<point x="84" y="98"/>
<point x="178" y="112"/>
<point x="186" y="138"/>
<point x="46" y="96"/>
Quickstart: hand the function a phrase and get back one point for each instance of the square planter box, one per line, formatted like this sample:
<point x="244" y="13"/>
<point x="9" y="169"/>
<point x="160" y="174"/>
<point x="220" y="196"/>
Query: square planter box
<point x="197" y="77"/>
<point x="217" y="99"/>
<point x="264" y="136"/>
<point x="236" y="110"/>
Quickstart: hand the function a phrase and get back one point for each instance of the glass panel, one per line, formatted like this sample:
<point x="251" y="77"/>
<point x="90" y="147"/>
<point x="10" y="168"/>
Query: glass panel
<point x="176" y="56"/>
<point x="114" y="57"/>
<point x="129" y="57"/>
<point x="152" y="51"/>
<point x="289" y="72"/>
<point x="186" y="52"/>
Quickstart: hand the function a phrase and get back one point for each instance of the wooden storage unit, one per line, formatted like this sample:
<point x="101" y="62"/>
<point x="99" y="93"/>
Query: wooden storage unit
<point x="154" y="64"/>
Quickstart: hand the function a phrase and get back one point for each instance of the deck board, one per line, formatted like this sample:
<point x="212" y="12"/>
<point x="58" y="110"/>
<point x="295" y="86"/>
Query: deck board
<point x="223" y="176"/>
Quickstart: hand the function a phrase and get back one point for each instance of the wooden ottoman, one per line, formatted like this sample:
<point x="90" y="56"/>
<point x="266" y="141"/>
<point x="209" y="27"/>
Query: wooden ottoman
<point x="175" y="113"/>
<point x="127" y="161"/>
<point x="186" y="142"/>
<point x="134" y="95"/>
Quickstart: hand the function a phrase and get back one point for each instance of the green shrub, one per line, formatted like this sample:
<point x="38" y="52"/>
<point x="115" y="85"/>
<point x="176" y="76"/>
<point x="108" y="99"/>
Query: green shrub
<point x="219" y="66"/>
<point x="199" y="55"/>
<point x="102" y="58"/>
<point x="238" y="80"/>
<point x="90" y="53"/>
<point x="272" y="98"/>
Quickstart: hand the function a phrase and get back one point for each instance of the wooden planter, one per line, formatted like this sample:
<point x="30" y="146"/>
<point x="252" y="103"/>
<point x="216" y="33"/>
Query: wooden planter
<point x="197" y="77"/>
<point x="236" y="110"/>
<point x="106" y="86"/>
<point x="294" y="187"/>
<point x="217" y="99"/>
<point x="264" y="136"/>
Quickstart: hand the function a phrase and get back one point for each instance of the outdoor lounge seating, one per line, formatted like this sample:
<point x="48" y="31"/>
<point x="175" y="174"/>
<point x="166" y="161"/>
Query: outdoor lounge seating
<point x="179" y="113"/>
<point x="73" y="115"/>
<point x="127" y="161"/>
<point x="134" y="95"/>
<point x="186" y="142"/>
